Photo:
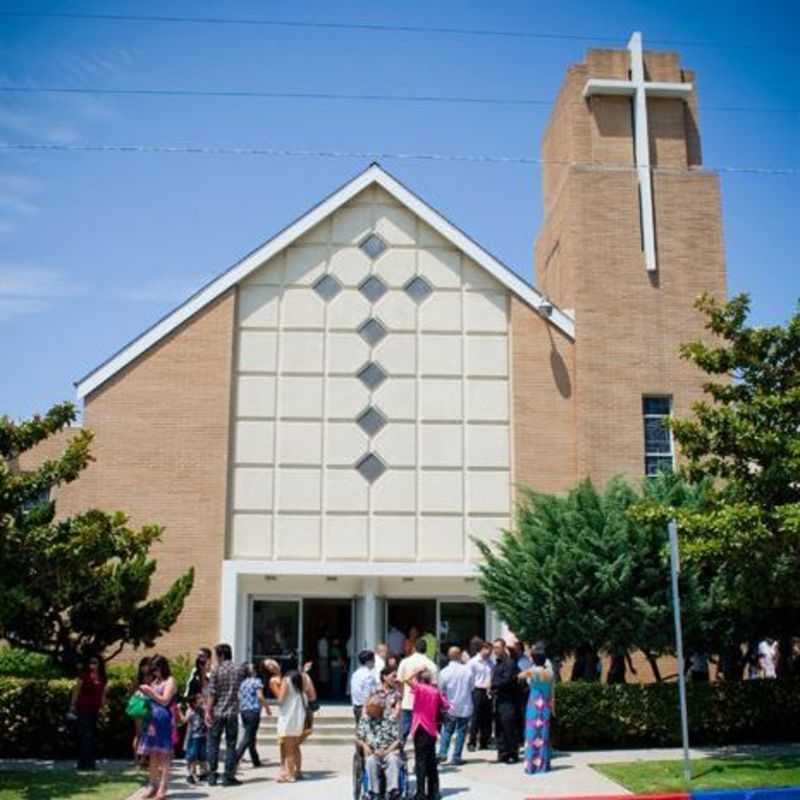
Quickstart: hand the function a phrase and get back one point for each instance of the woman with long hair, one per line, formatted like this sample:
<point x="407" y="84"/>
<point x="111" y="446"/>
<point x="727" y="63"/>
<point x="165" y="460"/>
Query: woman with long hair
<point x="540" y="710"/>
<point x="156" y="741"/>
<point x="293" y="692"/>
<point x="142" y="677"/>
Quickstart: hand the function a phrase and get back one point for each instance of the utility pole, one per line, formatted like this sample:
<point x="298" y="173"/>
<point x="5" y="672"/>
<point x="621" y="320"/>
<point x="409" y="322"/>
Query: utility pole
<point x="675" y="568"/>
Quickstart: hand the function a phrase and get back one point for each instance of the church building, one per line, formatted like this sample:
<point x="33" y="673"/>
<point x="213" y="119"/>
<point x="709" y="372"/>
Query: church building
<point x="325" y="428"/>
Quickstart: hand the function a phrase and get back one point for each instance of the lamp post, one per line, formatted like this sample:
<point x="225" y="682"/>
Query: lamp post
<point x="676" y="608"/>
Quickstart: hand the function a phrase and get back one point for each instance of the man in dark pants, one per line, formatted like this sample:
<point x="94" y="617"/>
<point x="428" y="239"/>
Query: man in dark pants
<point x="506" y="694"/>
<point x="480" y="728"/>
<point x="222" y="714"/>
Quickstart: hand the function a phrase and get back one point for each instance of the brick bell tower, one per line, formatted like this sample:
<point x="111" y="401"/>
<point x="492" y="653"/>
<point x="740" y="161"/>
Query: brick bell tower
<point x="632" y="234"/>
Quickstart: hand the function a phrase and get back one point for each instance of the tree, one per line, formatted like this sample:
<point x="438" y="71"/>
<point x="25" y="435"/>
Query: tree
<point x="75" y="586"/>
<point x="745" y="441"/>
<point x="580" y="573"/>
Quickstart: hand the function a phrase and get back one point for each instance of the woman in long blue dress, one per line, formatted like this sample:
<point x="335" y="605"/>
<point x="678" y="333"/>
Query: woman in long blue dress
<point x="540" y="710"/>
<point x="156" y="739"/>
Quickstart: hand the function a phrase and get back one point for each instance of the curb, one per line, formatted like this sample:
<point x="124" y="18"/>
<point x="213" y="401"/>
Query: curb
<point x="777" y="793"/>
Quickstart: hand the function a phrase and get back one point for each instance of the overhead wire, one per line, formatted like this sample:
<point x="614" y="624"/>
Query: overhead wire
<point x="334" y="96"/>
<point x="372" y="156"/>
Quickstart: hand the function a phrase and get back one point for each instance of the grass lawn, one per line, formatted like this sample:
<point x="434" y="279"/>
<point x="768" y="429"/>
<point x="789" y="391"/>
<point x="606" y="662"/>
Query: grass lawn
<point x="707" y="773"/>
<point x="46" y="784"/>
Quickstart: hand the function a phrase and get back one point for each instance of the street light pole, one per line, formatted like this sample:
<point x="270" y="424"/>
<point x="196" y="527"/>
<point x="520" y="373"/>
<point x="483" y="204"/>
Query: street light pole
<point x="676" y="608"/>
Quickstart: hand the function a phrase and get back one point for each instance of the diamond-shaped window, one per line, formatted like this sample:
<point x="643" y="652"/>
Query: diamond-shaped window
<point x="418" y="289"/>
<point x="372" y="375"/>
<point x="372" y="331"/>
<point x="371" y="421"/>
<point x="371" y="467"/>
<point x="327" y="287"/>
<point x="373" y="245"/>
<point x="373" y="289"/>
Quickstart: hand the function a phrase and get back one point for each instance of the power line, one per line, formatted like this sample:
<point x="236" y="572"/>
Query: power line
<point x="335" y="96"/>
<point x="369" y="155"/>
<point x="357" y="26"/>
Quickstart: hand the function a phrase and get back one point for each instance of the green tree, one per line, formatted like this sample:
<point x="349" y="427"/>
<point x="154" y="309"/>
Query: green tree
<point x="579" y="572"/>
<point x="79" y="585"/>
<point x="745" y="441"/>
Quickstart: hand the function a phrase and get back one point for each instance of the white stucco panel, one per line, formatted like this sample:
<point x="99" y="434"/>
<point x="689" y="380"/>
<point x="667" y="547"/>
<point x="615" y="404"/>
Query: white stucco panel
<point x="489" y="529"/>
<point x="396" y="226"/>
<point x="476" y="277"/>
<point x="396" y="267"/>
<point x="297" y="537"/>
<point x="397" y="353"/>
<point x="441" y="399"/>
<point x="395" y="490"/>
<point x="346" y="537"/>
<point x="442" y="491"/>
<point x="486" y="311"/>
<point x="441" y="446"/>
<point x="441" y="355"/>
<point x="441" y="312"/>
<point x="345" y="490"/>
<point x="345" y="443"/>
<point x="487" y="355"/>
<point x="393" y="539"/>
<point x="441" y="267"/>
<point x="301" y="351"/>
<point x="348" y="310"/>
<point x="346" y="398"/>
<point x="301" y="308"/>
<point x="257" y="351"/>
<point x="251" y="535"/>
<point x="252" y="488"/>
<point x="397" y="311"/>
<point x="441" y="538"/>
<point x="488" y="492"/>
<point x="351" y="224"/>
<point x="299" y="489"/>
<point x="350" y="265"/>
<point x="258" y="306"/>
<point x="300" y="442"/>
<point x="347" y="352"/>
<point x="396" y="398"/>
<point x="304" y="264"/>
<point x="255" y="396"/>
<point x="301" y="396"/>
<point x="487" y="446"/>
<point x="487" y="400"/>
<point x="271" y="272"/>
<point x="254" y="442"/>
<point x="395" y="444"/>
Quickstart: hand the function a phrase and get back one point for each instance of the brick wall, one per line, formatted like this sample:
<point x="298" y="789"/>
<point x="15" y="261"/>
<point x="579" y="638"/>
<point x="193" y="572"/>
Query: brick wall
<point x="161" y="447"/>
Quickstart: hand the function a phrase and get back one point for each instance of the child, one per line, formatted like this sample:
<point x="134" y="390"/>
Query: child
<point x="196" y="734"/>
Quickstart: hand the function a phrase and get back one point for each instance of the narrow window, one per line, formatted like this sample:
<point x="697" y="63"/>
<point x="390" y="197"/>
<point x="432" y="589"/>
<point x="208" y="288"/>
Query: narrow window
<point x="658" y="451"/>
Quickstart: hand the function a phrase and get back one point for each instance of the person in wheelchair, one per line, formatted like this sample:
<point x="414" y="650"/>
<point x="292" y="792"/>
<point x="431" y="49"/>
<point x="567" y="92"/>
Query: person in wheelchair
<point x="378" y="738"/>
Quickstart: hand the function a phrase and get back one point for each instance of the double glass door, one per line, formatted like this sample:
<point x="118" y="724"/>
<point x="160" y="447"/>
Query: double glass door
<point x="275" y="631"/>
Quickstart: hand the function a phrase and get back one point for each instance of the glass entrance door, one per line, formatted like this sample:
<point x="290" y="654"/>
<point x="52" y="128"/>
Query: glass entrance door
<point x="460" y="621"/>
<point x="275" y="631"/>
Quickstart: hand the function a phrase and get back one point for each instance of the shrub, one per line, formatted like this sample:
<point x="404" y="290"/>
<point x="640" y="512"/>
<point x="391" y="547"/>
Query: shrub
<point x="18" y="663"/>
<point x="593" y="716"/>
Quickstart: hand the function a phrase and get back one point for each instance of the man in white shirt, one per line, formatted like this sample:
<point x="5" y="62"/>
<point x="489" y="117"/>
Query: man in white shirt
<point x="362" y="682"/>
<point x="480" y="729"/>
<point x="408" y="668"/>
<point x="768" y="657"/>
<point x="381" y="652"/>
<point x="456" y="682"/>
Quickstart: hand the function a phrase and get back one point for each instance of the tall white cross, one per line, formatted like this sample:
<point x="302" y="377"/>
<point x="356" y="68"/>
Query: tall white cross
<point x="640" y="89"/>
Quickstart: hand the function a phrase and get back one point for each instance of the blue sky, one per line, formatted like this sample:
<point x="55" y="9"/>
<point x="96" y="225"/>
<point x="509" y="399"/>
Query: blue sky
<point x="96" y="246"/>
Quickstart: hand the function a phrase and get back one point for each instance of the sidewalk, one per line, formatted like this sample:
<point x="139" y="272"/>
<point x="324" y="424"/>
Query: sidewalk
<point x="328" y="775"/>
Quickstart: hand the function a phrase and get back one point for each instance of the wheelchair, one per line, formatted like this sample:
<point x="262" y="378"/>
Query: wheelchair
<point x="360" y="777"/>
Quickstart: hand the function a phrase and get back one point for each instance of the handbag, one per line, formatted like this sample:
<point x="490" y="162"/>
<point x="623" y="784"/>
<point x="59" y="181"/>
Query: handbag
<point x="138" y="706"/>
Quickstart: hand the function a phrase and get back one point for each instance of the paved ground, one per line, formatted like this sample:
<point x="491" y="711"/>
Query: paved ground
<point x="328" y="775"/>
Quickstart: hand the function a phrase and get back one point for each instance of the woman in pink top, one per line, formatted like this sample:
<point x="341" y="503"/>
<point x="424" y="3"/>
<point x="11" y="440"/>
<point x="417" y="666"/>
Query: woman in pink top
<point x="429" y="707"/>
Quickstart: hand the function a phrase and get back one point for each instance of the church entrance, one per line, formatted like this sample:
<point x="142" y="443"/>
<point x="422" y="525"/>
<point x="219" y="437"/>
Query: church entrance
<point x="327" y="637"/>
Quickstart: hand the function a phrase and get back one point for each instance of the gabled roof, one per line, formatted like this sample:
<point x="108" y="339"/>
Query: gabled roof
<point x="374" y="174"/>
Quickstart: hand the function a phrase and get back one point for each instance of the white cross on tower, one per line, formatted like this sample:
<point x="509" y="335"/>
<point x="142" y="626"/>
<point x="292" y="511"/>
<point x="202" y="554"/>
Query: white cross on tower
<point x="640" y="89"/>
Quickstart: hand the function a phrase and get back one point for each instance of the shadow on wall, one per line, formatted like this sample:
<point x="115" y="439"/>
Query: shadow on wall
<point x="559" y="369"/>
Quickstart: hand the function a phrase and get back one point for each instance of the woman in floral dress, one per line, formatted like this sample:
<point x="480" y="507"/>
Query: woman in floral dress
<point x="540" y="710"/>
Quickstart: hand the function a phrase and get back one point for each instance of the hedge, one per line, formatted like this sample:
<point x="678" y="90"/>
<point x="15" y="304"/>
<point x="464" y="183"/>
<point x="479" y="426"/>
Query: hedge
<point x="590" y="716"/>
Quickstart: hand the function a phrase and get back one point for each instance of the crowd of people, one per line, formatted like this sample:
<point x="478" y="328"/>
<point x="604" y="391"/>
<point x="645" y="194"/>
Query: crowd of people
<point x="493" y="696"/>
<point x="497" y="695"/>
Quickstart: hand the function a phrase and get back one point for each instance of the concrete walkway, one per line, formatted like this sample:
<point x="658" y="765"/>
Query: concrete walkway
<point x="328" y="777"/>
